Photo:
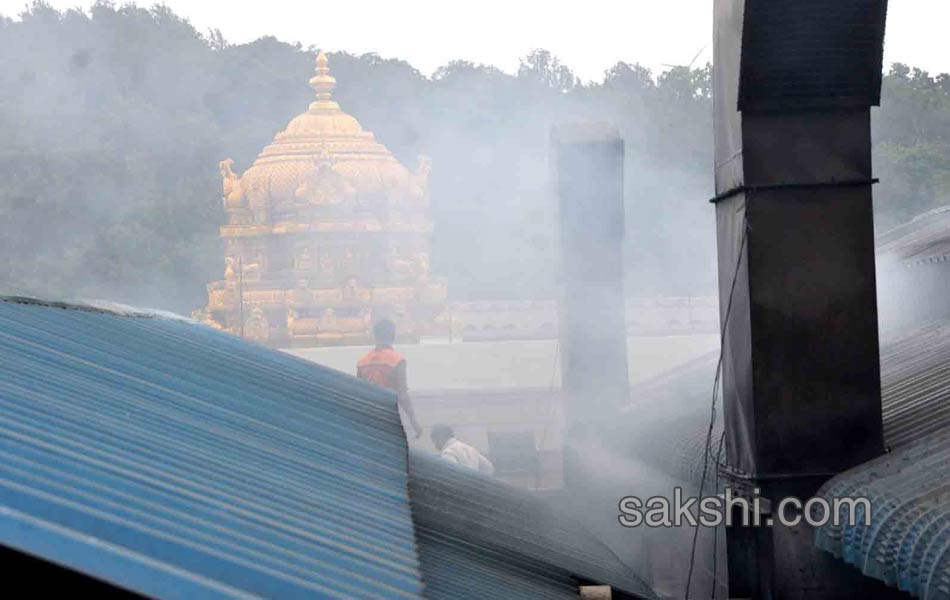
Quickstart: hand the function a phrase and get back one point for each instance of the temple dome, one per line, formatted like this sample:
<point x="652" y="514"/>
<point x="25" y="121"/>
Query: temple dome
<point x="320" y="123"/>
<point x="323" y="135"/>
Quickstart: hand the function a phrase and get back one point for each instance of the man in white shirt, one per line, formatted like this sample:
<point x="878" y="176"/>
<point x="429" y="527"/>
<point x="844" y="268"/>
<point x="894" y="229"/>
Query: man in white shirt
<point x="457" y="452"/>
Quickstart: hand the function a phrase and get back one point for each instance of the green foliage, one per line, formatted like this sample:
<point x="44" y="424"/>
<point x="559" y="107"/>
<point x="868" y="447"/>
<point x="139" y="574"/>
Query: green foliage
<point x="545" y="69"/>
<point x="114" y="121"/>
<point x="912" y="145"/>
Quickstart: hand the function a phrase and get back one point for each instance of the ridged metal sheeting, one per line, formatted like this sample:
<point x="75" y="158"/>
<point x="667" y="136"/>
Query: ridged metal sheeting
<point x="915" y="384"/>
<point x="907" y="543"/>
<point x="173" y="460"/>
<point x="476" y="533"/>
<point x="922" y="240"/>
<point x="669" y="422"/>
<point x="915" y="399"/>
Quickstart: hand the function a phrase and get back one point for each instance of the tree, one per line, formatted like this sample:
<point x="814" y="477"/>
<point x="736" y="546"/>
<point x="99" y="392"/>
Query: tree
<point x="113" y="122"/>
<point x="911" y="150"/>
<point x="543" y="68"/>
<point x="629" y="79"/>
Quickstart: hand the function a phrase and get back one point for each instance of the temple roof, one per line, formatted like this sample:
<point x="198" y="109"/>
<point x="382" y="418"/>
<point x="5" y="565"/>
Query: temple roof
<point x="324" y="116"/>
<point x="324" y="123"/>
<point x="324" y="134"/>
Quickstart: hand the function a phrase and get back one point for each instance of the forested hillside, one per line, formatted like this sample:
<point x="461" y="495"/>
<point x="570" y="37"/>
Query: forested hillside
<point x="113" y="121"/>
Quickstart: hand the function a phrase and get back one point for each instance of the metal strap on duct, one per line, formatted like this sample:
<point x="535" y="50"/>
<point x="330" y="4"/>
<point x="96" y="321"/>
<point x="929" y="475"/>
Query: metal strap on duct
<point x="173" y="460"/>
<point x="907" y="543"/>
<point x="476" y="533"/>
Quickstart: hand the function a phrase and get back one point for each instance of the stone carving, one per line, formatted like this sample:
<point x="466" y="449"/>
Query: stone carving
<point x="419" y="180"/>
<point x="353" y="291"/>
<point x="422" y="268"/>
<point x="327" y="265"/>
<point x="252" y="272"/>
<point x="304" y="259"/>
<point x="328" y="320"/>
<point x="256" y="326"/>
<point x="231" y="192"/>
<point x="349" y="264"/>
<point x="401" y="269"/>
<point x="230" y="267"/>
<point x="322" y="185"/>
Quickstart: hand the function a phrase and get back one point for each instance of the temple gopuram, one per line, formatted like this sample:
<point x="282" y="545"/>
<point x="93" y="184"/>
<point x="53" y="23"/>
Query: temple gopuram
<point x="326" y="232"/>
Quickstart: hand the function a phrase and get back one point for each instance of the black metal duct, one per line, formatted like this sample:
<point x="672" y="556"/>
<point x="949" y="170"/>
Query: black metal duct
<point x="794" y="83"/>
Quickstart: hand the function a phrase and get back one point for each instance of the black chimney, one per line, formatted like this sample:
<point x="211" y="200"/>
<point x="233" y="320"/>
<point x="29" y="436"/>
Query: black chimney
<point x="794" y="83"/>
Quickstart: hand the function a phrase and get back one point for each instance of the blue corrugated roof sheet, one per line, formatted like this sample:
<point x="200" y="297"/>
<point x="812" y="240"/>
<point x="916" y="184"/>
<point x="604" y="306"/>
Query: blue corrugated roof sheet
<point x="481" y="538"/>
<point x="173" y="460"/>
<point x="908" y="542"/>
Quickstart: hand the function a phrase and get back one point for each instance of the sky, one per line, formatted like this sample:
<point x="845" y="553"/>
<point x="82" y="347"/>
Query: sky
<point x="589" y="36"/>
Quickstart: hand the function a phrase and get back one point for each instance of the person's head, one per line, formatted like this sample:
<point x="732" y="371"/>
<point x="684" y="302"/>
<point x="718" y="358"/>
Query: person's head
<point x="441" y="434"/>
<point x="384" y="332"/>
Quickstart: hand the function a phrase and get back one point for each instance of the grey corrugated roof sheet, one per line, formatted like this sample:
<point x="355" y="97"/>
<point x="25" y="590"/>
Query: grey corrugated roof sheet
<point x="172" y="460"/>
<point x="670" y="426"/>
<point x="924" y="239"/>
<point x="476" y="533"/>
<point x="908" y="543"/>
<point x="668" y="420"/>
<point x="915" y="384"/>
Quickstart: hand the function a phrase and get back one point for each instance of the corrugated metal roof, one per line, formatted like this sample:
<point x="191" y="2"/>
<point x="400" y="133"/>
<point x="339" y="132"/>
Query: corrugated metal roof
<point x="907" y="543"/>
<point x="670" y="433"/>
<point x="476" y="533"/>
<point x="668" y="421"/>
<point x="173" y="460"/>
<point x="924" y="239"/>
<point x="915" y="384"/>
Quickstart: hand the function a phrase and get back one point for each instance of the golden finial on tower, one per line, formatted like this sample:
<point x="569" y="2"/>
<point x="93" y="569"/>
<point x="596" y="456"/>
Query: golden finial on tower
<point x="322" y="83"/>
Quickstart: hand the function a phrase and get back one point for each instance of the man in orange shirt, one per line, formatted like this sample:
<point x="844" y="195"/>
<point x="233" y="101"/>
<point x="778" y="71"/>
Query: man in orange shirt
<point x="385" y="367"/>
